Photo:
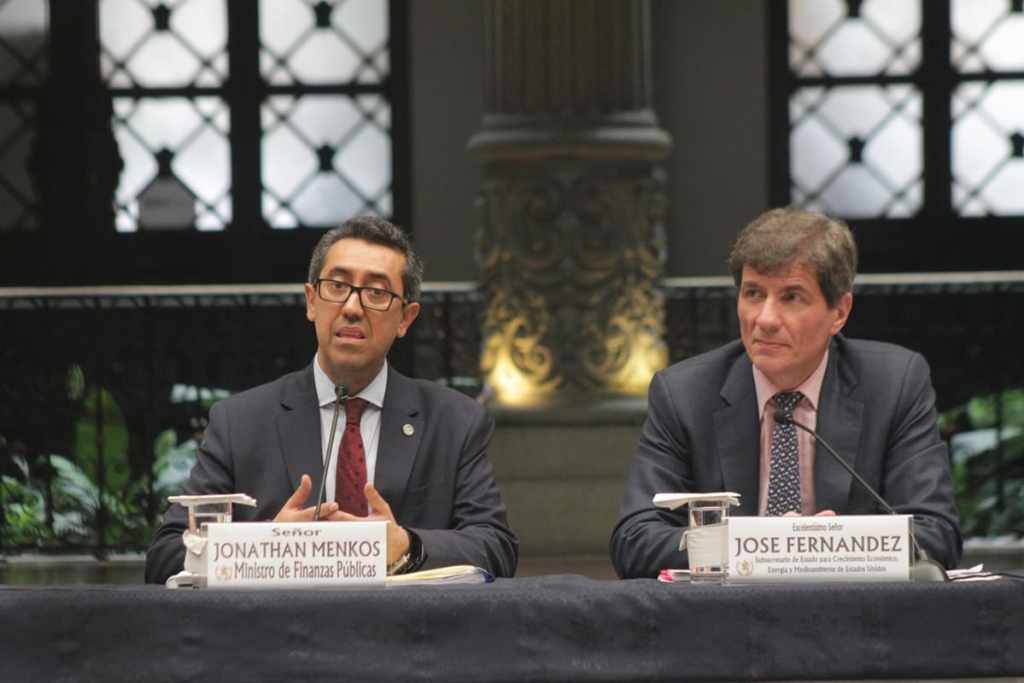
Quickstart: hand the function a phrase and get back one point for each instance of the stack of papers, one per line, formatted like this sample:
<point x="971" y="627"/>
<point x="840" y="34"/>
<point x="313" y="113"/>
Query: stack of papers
<point x="975" y="573"/>
<point x="442" y="576"/>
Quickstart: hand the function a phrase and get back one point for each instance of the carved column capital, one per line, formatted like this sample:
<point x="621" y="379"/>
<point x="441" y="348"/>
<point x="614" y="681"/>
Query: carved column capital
<point x="572" y="204"/>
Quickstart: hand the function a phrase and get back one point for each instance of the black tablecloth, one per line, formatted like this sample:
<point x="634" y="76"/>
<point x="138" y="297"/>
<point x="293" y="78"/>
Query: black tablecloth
<point x="552" y="628"/>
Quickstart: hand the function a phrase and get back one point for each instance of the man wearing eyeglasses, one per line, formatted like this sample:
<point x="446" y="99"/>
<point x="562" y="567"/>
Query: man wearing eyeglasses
<point x="406" y="451"/>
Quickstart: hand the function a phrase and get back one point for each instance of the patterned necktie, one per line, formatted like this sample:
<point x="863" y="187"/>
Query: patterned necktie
<point x="784" y="477"/>
<point x="350" y="472"/>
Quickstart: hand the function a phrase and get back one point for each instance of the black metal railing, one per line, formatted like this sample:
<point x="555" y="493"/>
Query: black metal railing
<point x="104" y="391"/>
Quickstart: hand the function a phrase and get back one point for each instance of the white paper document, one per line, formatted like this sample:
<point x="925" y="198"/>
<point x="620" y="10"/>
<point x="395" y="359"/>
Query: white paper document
<point x="442" y="576"/>
<point x="975" y="573"/>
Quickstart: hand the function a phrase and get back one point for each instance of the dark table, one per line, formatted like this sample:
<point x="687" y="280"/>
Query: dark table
<point x="551" y="628"/>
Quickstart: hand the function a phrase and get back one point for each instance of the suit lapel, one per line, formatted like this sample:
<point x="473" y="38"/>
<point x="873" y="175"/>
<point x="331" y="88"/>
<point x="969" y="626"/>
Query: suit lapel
<point x="299" y="431"/>
<point x="737" y="435"/>
<point x="839" y="423"/>
<point x="401" y="429"/>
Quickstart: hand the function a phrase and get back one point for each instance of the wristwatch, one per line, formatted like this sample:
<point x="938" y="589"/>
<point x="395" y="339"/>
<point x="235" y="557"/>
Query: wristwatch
<point x="398" y="565"/>
<point x="411" y="560"/>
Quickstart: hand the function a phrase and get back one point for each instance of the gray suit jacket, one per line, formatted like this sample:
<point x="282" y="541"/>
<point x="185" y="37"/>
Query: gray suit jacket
<point x="438" y="481"/>
<point x="877" y="409"/>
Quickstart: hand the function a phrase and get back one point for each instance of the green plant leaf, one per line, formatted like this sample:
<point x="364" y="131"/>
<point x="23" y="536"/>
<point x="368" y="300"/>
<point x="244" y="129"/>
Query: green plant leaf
<point x="100" y="429"/>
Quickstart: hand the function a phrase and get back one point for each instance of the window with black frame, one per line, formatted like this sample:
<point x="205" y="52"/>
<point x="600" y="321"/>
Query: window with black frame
<point x="228" y="131"/>
<point x="24" y="27"/>
<point x="313" y="75"/>
<point x="906" y="117"/>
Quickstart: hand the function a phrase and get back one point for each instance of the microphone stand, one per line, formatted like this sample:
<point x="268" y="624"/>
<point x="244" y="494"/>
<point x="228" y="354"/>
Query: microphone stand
<point x="924" y="568"/>
<point x="340" y="396"/>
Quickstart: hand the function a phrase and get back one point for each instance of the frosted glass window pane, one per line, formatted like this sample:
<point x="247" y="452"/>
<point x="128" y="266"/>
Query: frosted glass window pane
<point x="988" y="148"/>
<point x="284" y="22"/>
<point x="18" y="201"/>
<point x="326" y="200"/>
<point x="856" y="151"/>
<point x="322" y="58"/>
<point x="855" y="192"/>
<point x="325" y="159"/>
<point x="366" y="161"/>
<point x="298" y="47"/>
<point x="195" y="132"/>
<point x="24" y="25"/>
<point x="191" y="51"/>
<point x="809" y="21"/>
<point x="987" y="35"/>
<point x="365" y="22"/>
<point x="883" y="38"/>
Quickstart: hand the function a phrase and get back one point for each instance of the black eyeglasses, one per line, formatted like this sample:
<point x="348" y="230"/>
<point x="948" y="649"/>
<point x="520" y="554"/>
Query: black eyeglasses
<point x="338" y="292"/>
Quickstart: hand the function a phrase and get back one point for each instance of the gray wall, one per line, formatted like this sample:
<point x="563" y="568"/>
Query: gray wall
<point x="446" y="72"/>
<point x="710" y="92"/>
<point x="710" y="84"/>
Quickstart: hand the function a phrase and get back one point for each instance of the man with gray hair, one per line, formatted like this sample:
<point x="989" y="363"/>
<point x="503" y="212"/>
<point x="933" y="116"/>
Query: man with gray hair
<point x="409" y="452"/>
<point x="711" y="419"/>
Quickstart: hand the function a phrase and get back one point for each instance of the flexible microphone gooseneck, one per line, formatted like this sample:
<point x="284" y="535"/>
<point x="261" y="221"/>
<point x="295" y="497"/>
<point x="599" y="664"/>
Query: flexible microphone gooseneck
<point x="340" y="396"/>
<point x="923" y="568"/>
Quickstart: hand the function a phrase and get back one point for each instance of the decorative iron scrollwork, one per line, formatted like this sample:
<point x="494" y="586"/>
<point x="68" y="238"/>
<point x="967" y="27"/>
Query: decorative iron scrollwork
<point x="570" y="253"/>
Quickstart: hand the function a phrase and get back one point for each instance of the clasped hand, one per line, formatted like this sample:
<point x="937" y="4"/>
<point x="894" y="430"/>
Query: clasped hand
<point x="819" y="513"/>
<point x="380" y="511"/>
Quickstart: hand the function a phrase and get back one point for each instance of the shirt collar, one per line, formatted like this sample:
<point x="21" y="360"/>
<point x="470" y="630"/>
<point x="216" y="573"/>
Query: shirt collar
<point x="810" y="388"/>
<point x="372" y="393"/>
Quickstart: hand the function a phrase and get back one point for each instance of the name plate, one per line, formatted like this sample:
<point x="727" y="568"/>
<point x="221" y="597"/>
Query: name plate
<point x="299" y="555"/>
<point x="842" y="548"/>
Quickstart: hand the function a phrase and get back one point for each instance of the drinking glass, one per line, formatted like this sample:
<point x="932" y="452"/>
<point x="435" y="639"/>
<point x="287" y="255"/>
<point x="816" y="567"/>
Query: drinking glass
<point x="706" y="541"/>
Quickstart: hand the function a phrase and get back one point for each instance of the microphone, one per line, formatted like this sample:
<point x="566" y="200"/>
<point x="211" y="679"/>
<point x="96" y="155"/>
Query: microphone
<point x="923" y="568"/>
<point x="340" y="396"/>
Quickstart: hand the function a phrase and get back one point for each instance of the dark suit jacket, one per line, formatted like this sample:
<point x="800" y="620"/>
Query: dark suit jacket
<point x="438" y="481"/>
<point x="702" y="434"/>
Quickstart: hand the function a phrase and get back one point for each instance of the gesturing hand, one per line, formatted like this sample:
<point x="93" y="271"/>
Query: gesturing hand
<point x="380" y="511"/>
<point x="293" y="510"/>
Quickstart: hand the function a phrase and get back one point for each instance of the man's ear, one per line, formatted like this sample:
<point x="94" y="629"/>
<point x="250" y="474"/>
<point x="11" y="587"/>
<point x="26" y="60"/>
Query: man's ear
<point x="842" y="310"/>
<point x="409" y="313"/>
<point x="310" y="300"/>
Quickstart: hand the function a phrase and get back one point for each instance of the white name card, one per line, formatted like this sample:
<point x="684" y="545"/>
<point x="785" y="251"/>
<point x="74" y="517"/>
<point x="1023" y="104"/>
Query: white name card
<point x="309" y="554"/>
<point x="842" y="548"/>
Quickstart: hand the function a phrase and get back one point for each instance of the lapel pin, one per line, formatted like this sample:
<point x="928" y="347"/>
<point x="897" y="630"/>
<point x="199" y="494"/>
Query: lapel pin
<point x="408" y="429"/>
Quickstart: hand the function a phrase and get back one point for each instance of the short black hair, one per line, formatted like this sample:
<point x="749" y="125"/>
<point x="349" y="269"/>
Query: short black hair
<point x="375" y="231"/>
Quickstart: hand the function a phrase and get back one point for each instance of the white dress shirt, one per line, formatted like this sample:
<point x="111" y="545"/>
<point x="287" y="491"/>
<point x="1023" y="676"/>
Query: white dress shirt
<point x="805" y="412"/>
<point x="369" y="425"/>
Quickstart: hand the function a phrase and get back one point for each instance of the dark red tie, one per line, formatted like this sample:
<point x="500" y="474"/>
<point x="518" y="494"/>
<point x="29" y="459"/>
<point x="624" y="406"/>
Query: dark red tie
<point x="350" y="475"/>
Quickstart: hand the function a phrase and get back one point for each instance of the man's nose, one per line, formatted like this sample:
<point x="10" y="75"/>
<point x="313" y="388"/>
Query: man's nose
<point x="768" y="315"/>
<point x="353" y="307"/>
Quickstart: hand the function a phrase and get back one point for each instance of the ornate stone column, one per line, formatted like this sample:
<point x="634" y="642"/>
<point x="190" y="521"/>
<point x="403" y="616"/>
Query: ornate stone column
<point x="572" y="203"/>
